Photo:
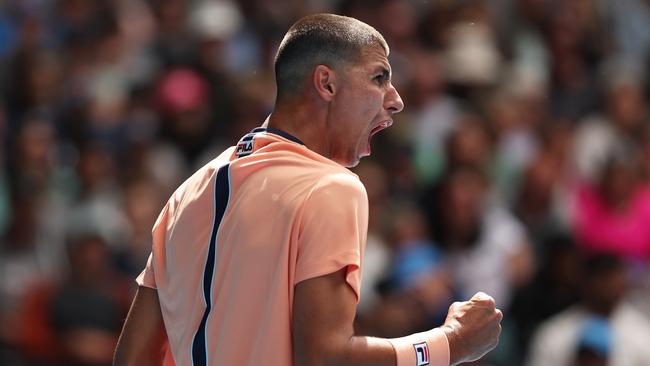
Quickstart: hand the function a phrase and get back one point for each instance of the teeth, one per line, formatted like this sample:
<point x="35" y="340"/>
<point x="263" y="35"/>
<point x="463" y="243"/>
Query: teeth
<point x="382" y="125"/>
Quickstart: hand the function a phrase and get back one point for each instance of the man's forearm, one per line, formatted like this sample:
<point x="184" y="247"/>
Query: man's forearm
<point x="357" y="351"/>
<point x="143" y="335"/>
<point x="431" y="348"/>
<point x="323" y="332"/>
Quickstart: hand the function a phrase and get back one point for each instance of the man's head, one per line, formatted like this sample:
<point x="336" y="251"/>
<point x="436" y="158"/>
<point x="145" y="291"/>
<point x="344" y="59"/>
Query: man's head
<point x="338" y="66"/>
<point x="321" y="39"/>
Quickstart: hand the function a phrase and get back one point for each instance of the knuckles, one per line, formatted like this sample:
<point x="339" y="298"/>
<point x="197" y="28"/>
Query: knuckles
<point x="482" y="297"/>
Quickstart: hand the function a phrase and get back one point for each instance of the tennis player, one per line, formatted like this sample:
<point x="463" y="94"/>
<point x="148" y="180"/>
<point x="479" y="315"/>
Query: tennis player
<point x="256" y="257"/>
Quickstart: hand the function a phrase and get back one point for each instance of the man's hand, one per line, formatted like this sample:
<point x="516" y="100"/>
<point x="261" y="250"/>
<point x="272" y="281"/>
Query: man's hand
<point x="472" y="328"/>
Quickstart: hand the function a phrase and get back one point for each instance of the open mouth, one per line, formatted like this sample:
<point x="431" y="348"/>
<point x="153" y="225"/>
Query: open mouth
<point x="381" y="126"/>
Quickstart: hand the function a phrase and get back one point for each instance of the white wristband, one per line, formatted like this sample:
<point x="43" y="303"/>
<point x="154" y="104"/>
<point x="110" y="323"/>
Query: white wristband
<point x="420" y="349"/>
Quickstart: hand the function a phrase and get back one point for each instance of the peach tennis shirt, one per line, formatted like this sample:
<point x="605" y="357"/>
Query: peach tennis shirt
<point x="238" y="235"/>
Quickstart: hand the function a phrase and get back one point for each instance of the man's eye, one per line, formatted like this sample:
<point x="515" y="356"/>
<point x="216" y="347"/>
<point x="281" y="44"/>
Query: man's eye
<point x="379" y="79"/>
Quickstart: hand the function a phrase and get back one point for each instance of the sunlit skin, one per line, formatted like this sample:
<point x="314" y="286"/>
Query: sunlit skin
<point x="365" y="105"/>
<point x="346" y="107"/>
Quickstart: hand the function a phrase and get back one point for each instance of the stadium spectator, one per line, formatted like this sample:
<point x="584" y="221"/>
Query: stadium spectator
<point x="484" y="245"/>
<point x="612" y="215"/>
<point x="602" y="323"/>
<point x="539" y="94"/>
<point x="75" y="320"/>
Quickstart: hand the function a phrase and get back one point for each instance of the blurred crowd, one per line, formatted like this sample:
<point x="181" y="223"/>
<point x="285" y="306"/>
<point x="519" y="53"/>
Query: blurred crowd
<point x="520" y="166"/>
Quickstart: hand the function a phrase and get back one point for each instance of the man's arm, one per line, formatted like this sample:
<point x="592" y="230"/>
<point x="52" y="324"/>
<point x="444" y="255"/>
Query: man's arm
<point x="143" y="335"/>
<point x="323" y="334"/>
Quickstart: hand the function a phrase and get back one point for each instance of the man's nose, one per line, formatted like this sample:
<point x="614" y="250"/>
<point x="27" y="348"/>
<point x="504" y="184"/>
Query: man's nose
<point x="393" y="102"/>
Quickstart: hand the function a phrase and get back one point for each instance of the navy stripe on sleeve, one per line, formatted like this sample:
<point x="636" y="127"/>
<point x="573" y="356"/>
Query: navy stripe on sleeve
<point x="221" y="196"/>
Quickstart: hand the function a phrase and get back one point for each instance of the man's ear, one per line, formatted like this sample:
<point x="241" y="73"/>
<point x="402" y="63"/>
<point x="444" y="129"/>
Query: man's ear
<point x="324" y="82"/>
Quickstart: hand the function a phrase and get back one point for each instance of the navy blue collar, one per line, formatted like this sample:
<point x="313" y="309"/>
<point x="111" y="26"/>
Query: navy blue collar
<point x="281" y="133"/>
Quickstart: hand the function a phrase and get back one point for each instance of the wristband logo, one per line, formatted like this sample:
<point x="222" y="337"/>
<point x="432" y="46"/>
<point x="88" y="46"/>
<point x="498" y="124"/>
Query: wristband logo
<point x="421" y="354"/>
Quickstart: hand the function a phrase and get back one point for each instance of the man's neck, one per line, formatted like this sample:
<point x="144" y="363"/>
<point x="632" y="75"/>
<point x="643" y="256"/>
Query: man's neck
<point x="303" y="122"/>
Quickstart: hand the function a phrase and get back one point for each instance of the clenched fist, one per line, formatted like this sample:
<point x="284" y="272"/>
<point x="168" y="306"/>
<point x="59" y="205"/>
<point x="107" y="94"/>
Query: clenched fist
<point x="472" y="328"/>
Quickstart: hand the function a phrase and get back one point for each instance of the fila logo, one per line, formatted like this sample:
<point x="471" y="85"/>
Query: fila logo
<point x="421" y="354"/>
<point x="244" y="148"/>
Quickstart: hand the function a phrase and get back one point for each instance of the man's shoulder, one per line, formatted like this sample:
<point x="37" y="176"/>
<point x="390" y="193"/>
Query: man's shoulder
<point x="315" y="178"/>
<point x="201" y="178"/>
<point x="338" y="177"/>
<point x="297" y="165"/>
<point x="337" y="186"/>
<point x="210" y="168"/>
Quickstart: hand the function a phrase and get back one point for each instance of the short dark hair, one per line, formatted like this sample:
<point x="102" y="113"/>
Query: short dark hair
<point x="325" y="39"/>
